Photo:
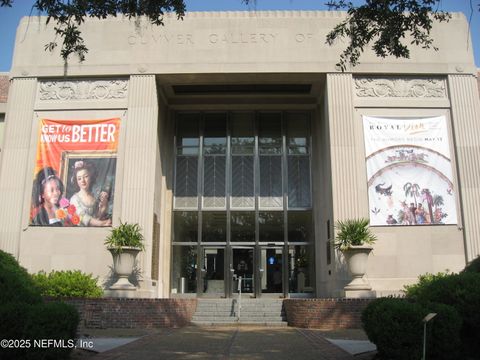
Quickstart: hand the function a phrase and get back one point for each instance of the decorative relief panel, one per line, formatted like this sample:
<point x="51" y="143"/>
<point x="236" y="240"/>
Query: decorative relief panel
<point x="83" y="90"/>
<point x="374" y="87"/>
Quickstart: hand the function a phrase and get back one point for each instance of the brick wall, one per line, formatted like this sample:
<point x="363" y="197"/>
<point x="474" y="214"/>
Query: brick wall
<point x="325" y="314"/>
<point x="132" y="313"/>
<point x="4" y="84"/>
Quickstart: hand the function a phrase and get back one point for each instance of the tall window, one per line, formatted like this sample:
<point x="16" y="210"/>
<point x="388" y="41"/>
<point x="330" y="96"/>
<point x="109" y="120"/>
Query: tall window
<point x="186" y="169"/>
<point x="242" y="177"/>
<point x="270" y="154"/>
<point x="242" y="150"/>
<point x="298" y="150"/>
<point x="214" y="160"/>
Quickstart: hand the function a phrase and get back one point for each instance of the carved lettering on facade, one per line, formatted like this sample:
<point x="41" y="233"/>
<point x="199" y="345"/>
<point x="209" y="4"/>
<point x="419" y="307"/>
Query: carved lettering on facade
<point x="166" y="39"/>
<point x="83" y="90"/>
<point x="300" y="37"/>
<point x="217" y="38"/>
<point x="242" y="38"/>
<point x="374" y="87"/>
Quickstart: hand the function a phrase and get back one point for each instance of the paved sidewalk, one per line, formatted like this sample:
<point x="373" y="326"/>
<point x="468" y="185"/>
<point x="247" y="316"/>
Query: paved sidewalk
<point x="243" y="342"/>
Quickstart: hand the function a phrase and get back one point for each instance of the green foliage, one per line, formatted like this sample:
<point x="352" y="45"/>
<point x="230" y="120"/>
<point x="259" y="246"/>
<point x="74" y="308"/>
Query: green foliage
<point x="24" y="315"/>
<point x="473" y="266"/>
<point x="384" y="25"/>
<point x="443" y="333"/>
<point x="125" y="235"/>
<point x="353" y="232"/>
<point x="395" y="326"/>
<point x="462" y="291"/>
<point x="16" y="285"/>
<point x="54" y="320"/>
<point x="413" y="290"/>
<point x="67" y="284"/>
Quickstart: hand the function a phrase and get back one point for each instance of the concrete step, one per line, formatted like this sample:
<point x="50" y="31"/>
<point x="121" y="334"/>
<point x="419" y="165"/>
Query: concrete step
<point x="242" y="318"/>
<point x="244" y="306"/>
<point x="241" y="322"/>
<point x="264" y="312"/>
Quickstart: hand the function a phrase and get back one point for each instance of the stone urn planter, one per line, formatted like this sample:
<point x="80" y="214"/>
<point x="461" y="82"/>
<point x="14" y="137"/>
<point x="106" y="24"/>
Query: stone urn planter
<point x="357" y="258"/>
<point x="123" y="264"/>
<point x="124" y="243"/>
<point x="353" y="239"/>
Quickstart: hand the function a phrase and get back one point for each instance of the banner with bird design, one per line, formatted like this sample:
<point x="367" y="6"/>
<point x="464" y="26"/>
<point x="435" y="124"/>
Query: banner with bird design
<point x="409" y="171"/>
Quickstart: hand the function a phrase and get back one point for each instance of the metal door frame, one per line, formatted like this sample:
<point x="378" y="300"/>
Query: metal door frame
<point x="230" y="270"/>
<point x="201" y="271"/>
<point x="284" y="268"/>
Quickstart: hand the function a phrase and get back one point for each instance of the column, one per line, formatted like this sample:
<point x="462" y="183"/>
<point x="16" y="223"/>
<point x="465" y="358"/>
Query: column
<point x="465" y="104"/>
<point x="15" y="162"/>
<point x="346" y="142"/>
<point x="139" y="162"/>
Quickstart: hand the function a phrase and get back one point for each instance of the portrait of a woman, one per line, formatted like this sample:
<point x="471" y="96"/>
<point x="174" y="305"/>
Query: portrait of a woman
<point x="92" y="209"/>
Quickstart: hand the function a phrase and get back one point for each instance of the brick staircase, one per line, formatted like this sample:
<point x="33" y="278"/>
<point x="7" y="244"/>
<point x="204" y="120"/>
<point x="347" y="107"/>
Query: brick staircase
<point x="266" y="312"/>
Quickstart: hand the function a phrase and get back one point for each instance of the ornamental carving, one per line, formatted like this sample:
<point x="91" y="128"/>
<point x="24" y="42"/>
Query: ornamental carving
<point x="83" y="90"/>
<point x="400" y="88"/>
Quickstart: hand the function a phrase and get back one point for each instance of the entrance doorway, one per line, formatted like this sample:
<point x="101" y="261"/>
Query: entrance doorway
<point x="212" y="273"/>
<point x="272" y="264"/>
<point x="242" y="202"/>
<point x="243" y="267"/>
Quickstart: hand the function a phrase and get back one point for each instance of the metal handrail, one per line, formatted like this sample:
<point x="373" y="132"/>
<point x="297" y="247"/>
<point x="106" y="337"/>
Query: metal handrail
<point x="239" y="296"/>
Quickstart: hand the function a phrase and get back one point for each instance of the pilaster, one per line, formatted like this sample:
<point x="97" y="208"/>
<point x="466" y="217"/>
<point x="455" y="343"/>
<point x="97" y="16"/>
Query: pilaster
<point x="15" y="164"/>
<point x="345" y="147"/>
<point x="139" y="162"/>
<point x="465" y="116"/>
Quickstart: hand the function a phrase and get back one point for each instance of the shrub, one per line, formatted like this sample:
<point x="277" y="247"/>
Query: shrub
<point x="16" y="285"/>
<point x="413" y="290"/>
<point x="395" y="326"/>
<point x="462" y="291"/>
<point x="473" y="266"/>
<point x="67" y="284"/>
<point x="443" y="334"/>
<point x="24" y="316"/>
<point x="55" y="320"/>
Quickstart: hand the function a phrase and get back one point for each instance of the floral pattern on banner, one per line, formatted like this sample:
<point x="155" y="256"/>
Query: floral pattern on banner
<point x="409" y="171"/>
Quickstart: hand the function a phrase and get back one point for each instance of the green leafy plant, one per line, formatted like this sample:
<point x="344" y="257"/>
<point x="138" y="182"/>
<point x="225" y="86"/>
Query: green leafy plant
<point x="412" y="291"/>
<point x="67" y="284"/>
<point x="25" y="315"/>
<point x="473" y="266"/>
<point x="353" y="232"/>
<point x="125" y="235"/>
<point x="462" y="291"/>
<point x="395" y="326"/>
<point x="16" y="285"/>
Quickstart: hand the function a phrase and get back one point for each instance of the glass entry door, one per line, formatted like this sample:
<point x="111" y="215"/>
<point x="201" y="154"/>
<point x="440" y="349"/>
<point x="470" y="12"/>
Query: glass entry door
<point x="212" y="272"/>
<point x="242" y="271"/>
<point x="272" y="270"/>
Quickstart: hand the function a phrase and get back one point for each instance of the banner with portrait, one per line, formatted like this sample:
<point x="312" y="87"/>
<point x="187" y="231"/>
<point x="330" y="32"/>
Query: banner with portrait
<point x="409" y="171"/>
<point x="74" y="176"/>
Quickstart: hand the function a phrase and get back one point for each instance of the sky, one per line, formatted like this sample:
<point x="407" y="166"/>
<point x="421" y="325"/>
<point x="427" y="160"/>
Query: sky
<point x="10" y="17"/>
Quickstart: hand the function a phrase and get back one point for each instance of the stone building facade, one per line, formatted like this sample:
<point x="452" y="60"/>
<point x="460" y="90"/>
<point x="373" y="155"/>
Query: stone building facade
<point x="240" y="145"/>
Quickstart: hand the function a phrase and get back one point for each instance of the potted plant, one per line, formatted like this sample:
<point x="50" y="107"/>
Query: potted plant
<point x="354" y="239"/>
<point x="124" y="243"/>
